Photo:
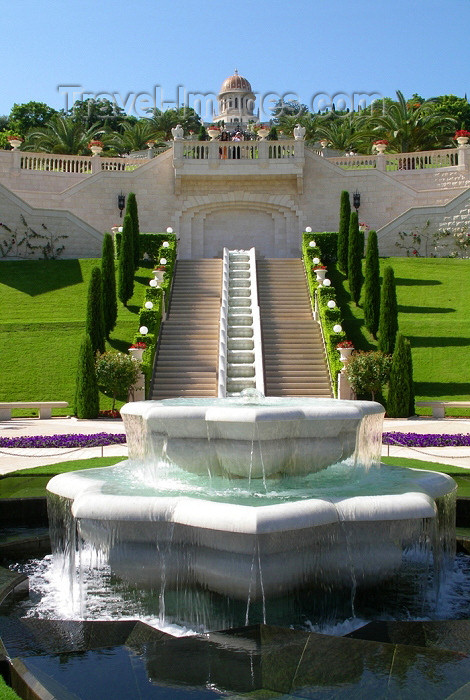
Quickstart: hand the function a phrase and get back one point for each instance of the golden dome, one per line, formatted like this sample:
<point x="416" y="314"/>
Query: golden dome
<point x="235" y="82"/>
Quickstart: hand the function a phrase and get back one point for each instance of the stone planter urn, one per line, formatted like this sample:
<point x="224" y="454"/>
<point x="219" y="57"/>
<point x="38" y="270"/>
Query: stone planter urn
<point x="213" y="133"/>
<point x="16" y="143"/>
<point x="323" y="143"/>
<point x="96" y="150"/>
<point x="380" y="147"/>
<point x="345" y="354"/>
<point x="137" y="353"/>
<point x="262" y="133"/>
<point x="461" y="140"/>
<point x="158" y="275"/>
<point x="320" y="273"/>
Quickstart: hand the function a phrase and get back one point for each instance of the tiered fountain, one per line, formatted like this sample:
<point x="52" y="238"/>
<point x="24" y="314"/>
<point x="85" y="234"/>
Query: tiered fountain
<point x="248" y="502"/>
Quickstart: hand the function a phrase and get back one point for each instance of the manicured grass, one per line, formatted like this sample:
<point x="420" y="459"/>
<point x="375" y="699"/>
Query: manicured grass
<point x="6" y="693"/>
<point x="31" y="483"/>
<point x="433" y="303"/>
<point x="42" y="320"/>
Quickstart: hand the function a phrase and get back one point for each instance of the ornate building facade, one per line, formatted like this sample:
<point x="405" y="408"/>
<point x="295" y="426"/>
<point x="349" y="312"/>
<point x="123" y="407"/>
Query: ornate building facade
<point x="254" y="193"/>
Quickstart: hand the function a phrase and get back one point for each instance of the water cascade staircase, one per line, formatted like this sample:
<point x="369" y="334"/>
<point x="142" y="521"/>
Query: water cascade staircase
<point x="294" y="357"/>
<point x="187" y="356"/>
<point x="240" y="349"/>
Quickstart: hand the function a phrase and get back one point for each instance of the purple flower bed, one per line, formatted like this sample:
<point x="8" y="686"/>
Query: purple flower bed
<point x="95" y="440"/>
<point x="418" y="440"/>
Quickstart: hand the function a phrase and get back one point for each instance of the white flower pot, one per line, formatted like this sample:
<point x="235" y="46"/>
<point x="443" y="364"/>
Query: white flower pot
<point x="262" y="133"/>
<point x="461" y="140"/>
<point x="96" y="150"/>
<point x="380" y="147"/>
<point x="320" y="275"/>
<point x="345" y="354"/>
<point x="15" y="143"/>
<point x="213" y="133"/>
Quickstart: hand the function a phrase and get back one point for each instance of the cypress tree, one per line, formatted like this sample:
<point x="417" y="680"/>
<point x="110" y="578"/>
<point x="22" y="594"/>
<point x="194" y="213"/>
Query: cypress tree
<point x="372" y="285"/>
<point x="343" y="232"/>
<point x="108" y="280"/>
<point x="355" y="241"/>
<point x="126" y="262"/>
<point x="202" y="135"/>
<point x="388" y="322"/>
<point x="401" y="394"/>
<point x="86" y="389"/>
<point x="131" y="208"/>
<point x="409" y="369"/>
<point x="94" y="313"/>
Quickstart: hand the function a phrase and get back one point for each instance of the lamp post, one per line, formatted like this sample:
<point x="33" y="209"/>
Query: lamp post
<point x="121" y="203"/>
<point x="356" y="200"/>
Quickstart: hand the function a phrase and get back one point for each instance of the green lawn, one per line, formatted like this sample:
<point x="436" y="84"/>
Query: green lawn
<point x="42" y="320"/>
<point x="31" y="483"/>
<point x="433" y="303"/>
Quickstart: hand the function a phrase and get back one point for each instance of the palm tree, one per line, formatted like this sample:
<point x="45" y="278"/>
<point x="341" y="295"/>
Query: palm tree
<point x="287" y="123"/>
<point x="62" y="135"/>
<point x="345" y="133"/>
<point x="134" y="137"/>
<point x="410" y="126"/>
<point x="166" y="120"/>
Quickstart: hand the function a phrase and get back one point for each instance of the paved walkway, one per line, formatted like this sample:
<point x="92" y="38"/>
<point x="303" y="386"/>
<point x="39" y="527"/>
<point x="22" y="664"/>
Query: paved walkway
<point x="12" y="459"/>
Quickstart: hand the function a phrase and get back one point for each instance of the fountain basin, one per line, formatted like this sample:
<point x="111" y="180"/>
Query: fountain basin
<point x="255" y="440"/>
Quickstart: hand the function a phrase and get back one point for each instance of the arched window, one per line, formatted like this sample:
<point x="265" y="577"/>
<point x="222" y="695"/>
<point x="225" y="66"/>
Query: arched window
<point x="236" y="102"/>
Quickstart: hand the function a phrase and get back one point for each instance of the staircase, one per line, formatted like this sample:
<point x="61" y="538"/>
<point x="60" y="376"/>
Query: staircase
<point x="294" y="358"/>
<point x="188" y="353"/>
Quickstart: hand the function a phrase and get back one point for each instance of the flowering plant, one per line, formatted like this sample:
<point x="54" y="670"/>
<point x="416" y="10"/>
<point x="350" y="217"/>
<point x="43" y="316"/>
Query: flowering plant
<point x="96" y="143"/>
<point x="260" y="126"/>
<point x="214" y="127"/>
<point x="139" y="346"/>
<point x="150" y="142"/>
<point x="110" y="413"/>
<point x="319" y="267"/>
<point x="73" y="440"/>
<point x="461" y="132"/>
<point x="381" y="141"/>
<point x="345" y="344"/>
<point x="161" y="268"/>
<point x="14" y="137"/>
<point x="363" y="226"/>
<point x="426" y="440"/>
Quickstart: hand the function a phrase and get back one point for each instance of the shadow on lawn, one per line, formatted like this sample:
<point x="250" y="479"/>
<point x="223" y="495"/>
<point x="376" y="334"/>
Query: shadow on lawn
<point x="459" y="391"/>
<point x="436" y="341"/>
<point x="36" y="277"/>
<point x="119" y="345"/>
<point x="407" y="282"/>
<point x="425" y="309"/>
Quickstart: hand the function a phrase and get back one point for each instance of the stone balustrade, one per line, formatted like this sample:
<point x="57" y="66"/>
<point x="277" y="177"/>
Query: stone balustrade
<point x="417" y="160"/>
<point x="71" y="165"/>
<point x="238" y="150"/>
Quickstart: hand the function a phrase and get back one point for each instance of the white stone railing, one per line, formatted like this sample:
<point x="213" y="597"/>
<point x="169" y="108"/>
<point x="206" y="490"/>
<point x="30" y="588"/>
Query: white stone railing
<point x="47" y="162"/>
<point x="238" y="150"/>
<point x="223" y="323"/>
<point x="257" y="337"/>
<point x="417" y="160"/>
<point x="75" y="165"/>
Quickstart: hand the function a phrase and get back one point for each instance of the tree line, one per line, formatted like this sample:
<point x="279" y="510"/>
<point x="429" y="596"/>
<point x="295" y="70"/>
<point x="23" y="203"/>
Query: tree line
<point x="414" y="124"/>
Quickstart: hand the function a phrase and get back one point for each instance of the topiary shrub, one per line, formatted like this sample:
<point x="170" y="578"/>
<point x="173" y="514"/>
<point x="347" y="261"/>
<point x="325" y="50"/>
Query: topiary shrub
<point x="86" y="388"/>
<point x="368" y="372"/>
<point x="343" y="232"/>
<point x="94" y="316"/>
<point x="126" y="261"/>
<point x="388" y="321"/>
<point x="355" y="248"/>
<point x="108" y="280"/>
<point x="116" y="373"/>
<point x="372" y="285"/>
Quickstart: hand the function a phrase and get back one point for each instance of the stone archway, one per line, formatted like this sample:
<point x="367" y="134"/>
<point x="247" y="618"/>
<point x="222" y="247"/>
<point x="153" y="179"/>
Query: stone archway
<point x="271" y="226"/>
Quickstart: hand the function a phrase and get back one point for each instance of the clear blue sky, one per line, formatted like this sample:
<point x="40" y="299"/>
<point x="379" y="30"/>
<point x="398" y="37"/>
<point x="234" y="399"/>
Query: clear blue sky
<point x="302" y="48"/>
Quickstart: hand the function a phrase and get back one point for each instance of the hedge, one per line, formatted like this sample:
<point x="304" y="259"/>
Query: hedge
<point x="150" y="243"/>
<point x="327" y="244"/>
<point x="328" y="317"/>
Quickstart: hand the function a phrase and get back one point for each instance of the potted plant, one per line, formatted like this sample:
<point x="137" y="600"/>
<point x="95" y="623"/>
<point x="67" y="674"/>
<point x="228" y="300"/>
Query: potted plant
<point x="15" y="141"/>
<point x="319" y="270"/>
<point x="381" y="145"/>
<point x="96" y="146"/>
<point x="262" y="130"/>
<point x="345" y="348"/>
<point x="137" y="350"/>
<point x="213" y="131"/>
<point x="462" y="136"/>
